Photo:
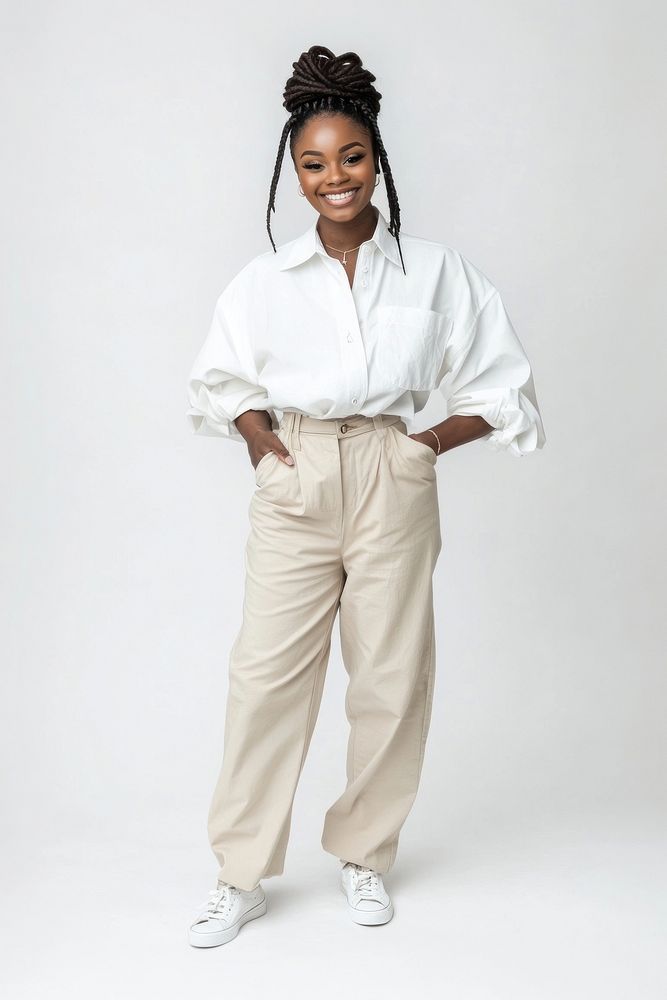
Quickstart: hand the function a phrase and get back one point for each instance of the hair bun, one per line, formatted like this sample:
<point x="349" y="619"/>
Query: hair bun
<point x="319" y="73"/>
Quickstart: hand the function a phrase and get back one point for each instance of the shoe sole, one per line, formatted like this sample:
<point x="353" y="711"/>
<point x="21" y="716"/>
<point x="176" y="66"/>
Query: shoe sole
<point x="370" y="918"/>
<point x="210" y="939"/>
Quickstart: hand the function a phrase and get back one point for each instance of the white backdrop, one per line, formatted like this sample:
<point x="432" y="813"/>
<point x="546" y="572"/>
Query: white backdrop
<point x="138" y="146"/>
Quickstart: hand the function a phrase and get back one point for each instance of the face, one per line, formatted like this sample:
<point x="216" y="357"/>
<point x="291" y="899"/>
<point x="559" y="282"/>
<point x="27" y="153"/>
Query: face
<point x="333" y="154"/>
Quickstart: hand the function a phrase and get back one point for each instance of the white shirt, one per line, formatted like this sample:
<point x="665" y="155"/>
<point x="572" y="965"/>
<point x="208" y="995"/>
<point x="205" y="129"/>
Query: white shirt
<point x="288" y="333"/>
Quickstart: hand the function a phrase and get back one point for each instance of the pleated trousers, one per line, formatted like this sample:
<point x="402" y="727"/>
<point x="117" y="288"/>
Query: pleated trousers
<point x="352" y="529"/>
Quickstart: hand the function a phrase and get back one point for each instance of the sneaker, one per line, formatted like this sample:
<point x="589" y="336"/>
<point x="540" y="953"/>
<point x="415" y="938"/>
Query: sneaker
<point x="367" y="899"/>
<point x="228" y="907"/>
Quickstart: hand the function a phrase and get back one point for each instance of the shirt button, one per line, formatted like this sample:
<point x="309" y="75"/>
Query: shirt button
<point x="365" y="267"/>
<point x="364" y="284"/>
<point x="349" y="338"/>
<point x="354" y="399"/>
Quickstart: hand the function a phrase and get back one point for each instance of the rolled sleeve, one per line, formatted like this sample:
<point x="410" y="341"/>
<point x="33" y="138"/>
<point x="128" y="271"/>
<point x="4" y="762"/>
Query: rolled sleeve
<point x="487" y="374"/>
<point x="223" y="381"/>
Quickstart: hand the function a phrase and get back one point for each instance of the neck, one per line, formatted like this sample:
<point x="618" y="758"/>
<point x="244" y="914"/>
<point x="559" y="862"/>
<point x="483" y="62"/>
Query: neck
<point x="344" y="235"/>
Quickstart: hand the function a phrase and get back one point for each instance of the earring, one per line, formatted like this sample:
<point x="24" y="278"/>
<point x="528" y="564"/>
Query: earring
<point x="302" y="192"/>
<point x="377" y="181"/>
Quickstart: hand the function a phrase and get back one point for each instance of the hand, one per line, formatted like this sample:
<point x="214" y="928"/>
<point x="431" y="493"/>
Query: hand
<point x="430" y="440"/>
<point x="262" y="443"/>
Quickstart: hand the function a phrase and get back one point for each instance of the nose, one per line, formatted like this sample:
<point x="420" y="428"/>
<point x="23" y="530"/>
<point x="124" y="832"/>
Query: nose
<point x="338" y="177"/>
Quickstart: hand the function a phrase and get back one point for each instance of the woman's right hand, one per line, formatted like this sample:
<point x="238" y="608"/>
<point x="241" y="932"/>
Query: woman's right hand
<point x="265" y="441"/>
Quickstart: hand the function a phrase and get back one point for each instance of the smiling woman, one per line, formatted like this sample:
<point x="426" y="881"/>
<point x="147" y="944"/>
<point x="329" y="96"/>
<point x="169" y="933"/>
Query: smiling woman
<point x="325" y="87"/>
<point x="320" y="352"/>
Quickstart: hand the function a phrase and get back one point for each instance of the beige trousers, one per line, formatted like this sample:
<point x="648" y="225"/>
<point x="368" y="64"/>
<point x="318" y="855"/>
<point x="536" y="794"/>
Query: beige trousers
<point x="353" y="529"/>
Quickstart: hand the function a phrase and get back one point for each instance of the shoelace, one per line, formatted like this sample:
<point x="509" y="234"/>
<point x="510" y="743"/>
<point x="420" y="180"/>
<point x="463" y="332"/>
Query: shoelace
<point x="220" y="900"/>
<point x="366" y="883"/>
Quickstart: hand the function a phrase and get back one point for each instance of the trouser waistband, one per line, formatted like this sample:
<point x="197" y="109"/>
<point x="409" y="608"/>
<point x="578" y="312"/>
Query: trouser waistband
<point x="300" y="423"/>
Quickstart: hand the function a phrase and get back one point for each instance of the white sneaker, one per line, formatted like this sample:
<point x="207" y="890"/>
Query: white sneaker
<point x="367" y="899"/>
<point x="221" y="917"/>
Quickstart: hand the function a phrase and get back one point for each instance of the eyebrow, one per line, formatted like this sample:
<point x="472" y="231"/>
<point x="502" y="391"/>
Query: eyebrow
<point x="316" y="152"/>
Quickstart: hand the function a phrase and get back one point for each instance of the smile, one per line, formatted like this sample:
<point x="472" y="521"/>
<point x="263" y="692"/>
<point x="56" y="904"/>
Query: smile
<point x="344" y="198"/>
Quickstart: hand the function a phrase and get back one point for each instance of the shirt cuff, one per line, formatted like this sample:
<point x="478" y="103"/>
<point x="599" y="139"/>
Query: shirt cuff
<point x="212" y="410"/>
<point x="517" y="425"/>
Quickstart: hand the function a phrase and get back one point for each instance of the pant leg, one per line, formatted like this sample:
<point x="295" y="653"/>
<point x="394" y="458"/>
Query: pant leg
<point x="391" y="544"/>
<point x="277" y="666"/>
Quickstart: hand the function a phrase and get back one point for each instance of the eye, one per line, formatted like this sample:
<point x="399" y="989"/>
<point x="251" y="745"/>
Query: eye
<point x="354" y="158"/>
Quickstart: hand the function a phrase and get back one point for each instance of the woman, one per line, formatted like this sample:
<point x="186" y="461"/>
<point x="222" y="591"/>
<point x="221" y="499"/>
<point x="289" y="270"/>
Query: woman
<point x="319" y="353"/>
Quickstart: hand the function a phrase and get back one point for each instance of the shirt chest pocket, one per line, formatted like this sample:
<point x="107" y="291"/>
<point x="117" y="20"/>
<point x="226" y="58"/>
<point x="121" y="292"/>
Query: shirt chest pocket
<point x="406" y="346"/>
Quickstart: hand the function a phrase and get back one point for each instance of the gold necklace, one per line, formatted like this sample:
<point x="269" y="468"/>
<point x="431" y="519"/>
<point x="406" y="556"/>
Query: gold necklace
<point x="344" y="252"/>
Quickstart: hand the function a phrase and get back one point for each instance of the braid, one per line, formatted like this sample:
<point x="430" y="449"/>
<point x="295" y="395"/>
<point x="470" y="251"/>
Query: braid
<point x="329" y="84"/>
<point x="276" y="174"/>
<point x="392" y="197"/>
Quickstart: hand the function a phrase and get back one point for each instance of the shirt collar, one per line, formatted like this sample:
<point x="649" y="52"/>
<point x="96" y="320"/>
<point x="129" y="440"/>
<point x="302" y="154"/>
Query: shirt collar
<point x="309" y="243"/>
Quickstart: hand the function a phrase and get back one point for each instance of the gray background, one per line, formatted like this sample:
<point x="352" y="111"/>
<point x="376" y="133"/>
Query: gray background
<point x="138" y="145"/>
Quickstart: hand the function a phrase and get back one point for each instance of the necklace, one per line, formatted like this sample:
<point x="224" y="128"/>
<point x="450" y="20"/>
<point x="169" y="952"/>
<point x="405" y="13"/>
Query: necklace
<point x="344" y="252"/>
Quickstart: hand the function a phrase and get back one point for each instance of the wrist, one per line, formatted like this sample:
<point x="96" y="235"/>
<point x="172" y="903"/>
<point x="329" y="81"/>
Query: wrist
<point x="437" y="446"/>
<point x="251" y="422"/>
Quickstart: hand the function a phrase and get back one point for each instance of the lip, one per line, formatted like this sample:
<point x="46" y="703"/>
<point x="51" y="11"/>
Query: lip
<point x="343" y="204"/>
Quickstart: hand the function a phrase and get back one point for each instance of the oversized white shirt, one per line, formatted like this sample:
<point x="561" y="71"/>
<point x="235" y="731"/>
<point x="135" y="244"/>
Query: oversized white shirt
<point x="289" y="333"/>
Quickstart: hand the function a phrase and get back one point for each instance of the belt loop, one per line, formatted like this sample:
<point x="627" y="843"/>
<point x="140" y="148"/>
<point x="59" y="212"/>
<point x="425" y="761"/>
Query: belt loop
<point x="289" y="423"/>
<point x="296" y="424"/>
<point x="379" y="425"/>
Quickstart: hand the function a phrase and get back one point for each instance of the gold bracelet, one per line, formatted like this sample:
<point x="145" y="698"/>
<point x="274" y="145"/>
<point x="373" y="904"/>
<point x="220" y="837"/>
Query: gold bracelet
<point x="437" y="439"/>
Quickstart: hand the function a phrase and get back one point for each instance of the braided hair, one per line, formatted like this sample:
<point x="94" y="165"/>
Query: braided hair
<point x="323" y="83"/>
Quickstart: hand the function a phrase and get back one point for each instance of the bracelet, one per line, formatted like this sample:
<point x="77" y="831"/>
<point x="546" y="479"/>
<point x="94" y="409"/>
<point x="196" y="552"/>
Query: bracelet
<point x="437" y="439"/>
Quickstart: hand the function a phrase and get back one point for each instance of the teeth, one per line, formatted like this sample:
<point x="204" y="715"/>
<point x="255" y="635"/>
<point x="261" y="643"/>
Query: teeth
<point x="339" y="197"/>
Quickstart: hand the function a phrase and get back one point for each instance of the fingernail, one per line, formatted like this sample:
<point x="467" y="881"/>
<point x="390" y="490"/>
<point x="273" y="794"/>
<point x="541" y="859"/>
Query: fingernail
<point x="289" y="460"/>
